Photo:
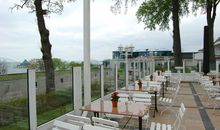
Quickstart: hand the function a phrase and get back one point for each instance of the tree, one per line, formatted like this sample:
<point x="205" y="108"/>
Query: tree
<point x="37" y="64"/>
<point x="155" y="13"/>
<point x="42" y="8"/>
<point x="210" y="7"/>
<point x="117" y="7"/>
<point x="3" y="67"/>
<point x="59" y="64"/>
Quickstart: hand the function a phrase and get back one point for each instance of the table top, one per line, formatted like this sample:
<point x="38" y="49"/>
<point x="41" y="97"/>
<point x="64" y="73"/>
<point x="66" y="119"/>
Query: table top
<point x="143" y="89"/>
<point x="216" y="79"/>
<point x="123" y="108"/>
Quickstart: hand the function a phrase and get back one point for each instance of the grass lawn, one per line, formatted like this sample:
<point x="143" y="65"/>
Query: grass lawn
<point x="41" y="118"/>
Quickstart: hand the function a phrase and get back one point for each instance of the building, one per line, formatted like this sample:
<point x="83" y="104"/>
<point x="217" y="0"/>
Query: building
<point x="119" y="55"/>
<point x="199" y="54"/>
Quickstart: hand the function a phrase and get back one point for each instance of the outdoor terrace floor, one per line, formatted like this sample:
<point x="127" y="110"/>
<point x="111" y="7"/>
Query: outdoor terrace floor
<point x="199" y="113"/>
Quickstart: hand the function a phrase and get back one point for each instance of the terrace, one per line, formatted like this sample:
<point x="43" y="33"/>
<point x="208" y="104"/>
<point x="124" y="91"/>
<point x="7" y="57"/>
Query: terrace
<point x="69" y="97"/>
<point x="24" y="103"/>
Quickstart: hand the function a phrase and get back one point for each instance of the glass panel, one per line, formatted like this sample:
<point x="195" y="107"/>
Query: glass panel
<point x="51" y="105"/>
<point x="121" y="75"/>
<point x="95" y="82"/>
<point x="13" y="102"/>
<point x="109" y="80"/>
<point x="191" y="65"/>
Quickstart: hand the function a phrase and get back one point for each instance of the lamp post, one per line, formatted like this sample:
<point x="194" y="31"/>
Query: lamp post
<point x="127" y="50"/>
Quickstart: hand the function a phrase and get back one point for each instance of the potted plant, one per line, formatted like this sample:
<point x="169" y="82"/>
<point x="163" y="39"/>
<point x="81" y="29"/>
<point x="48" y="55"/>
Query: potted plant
<point x="158" y="72"/>
<point x="139" y="84"/>
<point x="114" y="99"/>
<point x="151" y="77"/>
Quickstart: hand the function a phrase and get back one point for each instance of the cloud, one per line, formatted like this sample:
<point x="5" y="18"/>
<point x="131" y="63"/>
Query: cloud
<point x="20" y="37"/>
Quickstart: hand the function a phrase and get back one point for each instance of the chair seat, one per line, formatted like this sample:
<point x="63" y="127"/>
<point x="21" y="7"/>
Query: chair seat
<point x="123" y="95"/>
<point x="171" y="88"/>
<point x="147" y="100"/>
<point x="165" y="100"/>
<point x="91" y="127"/>
<point x="158" y="126"/>
<point x="139" y="95"/>
<point x="63" y="125"/>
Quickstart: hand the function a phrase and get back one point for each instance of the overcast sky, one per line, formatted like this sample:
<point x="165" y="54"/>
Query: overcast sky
<point x="19" y="38"/>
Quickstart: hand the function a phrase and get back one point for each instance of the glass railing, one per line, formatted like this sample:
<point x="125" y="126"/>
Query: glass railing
<point x="121" y="76"/>
<point x="95" y="82"/>
<point x="109" y="80"/>
<point x="52" y="103"/>
<point x="13" y="102"/>
<point x="191" y="65"/>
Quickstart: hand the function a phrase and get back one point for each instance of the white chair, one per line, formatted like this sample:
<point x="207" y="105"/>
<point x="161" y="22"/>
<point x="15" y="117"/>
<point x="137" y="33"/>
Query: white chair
<point x="74" y="118"/>
<point x="113" y="125"/>
<point x="57" y="125"/>
<point x="174" y="83"/>
<point x="175" y="126"/>
<point x="168" y="102"/>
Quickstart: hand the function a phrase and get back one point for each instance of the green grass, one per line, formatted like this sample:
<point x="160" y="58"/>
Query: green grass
<point x="41" y="118"/>
<point x="52" y="114"/>
<point x="24" y="75"/>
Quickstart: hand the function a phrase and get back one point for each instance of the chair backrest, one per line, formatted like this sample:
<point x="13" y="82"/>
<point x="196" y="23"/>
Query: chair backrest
<point x="123" y="99"/>
<point x="160" y="78"/>
<point x="179" y="117"/>
<point x="74" y="118"/>
<point x="105" y="123"/>
<point x="141" y="95"/>
<point x="63" y="125"/>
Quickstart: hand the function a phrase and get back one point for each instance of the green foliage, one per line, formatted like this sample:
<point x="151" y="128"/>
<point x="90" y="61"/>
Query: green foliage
<point x="15" y="110"/>
<point x="59" y="64"/>
<point x="37" y="64"/>
<point x="74" y="64"/>
<point x="155" y="13"/>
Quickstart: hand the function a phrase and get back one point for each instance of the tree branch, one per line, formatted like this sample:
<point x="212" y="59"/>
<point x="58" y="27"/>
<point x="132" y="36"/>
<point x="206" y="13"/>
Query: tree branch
<point x="17" y="6"/>
<point x="217" y="2"/>
<point x="214" y="10"/>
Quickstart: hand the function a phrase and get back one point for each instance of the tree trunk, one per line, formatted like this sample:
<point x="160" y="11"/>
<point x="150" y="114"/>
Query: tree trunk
<point x="46" y="47"/>
<point x="206" y="65"/>
<point x="210" y="22"/>
<point x="176" y="34"/>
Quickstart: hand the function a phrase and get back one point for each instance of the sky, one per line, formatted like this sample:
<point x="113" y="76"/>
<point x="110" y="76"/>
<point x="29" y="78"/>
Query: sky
<point x="19" y="36"/>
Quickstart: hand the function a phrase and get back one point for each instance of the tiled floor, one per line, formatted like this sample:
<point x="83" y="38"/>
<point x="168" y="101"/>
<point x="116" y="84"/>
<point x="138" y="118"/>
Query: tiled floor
<point x="199" y="113"/>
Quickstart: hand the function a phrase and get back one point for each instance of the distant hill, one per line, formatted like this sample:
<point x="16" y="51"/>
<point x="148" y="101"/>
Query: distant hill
<point x="96" y="62"/>
<point x="7" y="60"/>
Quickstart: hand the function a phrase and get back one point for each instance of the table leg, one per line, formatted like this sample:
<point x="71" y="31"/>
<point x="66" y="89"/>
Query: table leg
<point x="140" y="122"/>
<point x="96" y="114"/>
<point x="163" y="89"/>
<point x="155" y="104"/>
<point x="156" y="101"/>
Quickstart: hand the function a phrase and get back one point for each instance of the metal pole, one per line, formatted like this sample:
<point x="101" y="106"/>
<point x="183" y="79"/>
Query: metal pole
<point x="143" y="68"/>
<point x="86" y="40"/>
<point x="134" y="70"/>
<point x="168" y="65"/>
<point x="153" y="66"/>
<point x="139" y="69"/>
<point x="184" y="66"/>
<point x="102" y="82"/>
<point x="200" y="66"/>
<point x="116" y="77"/>
<point x="126" y="68"/>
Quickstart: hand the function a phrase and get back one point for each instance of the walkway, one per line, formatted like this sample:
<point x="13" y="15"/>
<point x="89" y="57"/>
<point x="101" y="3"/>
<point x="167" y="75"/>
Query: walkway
<point x="199" y="113"/>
